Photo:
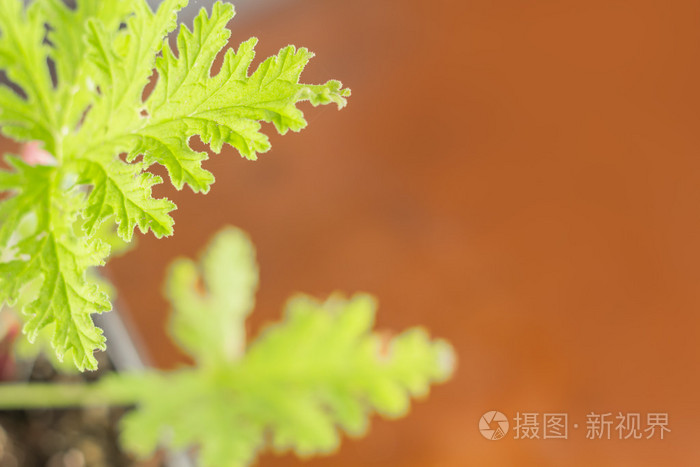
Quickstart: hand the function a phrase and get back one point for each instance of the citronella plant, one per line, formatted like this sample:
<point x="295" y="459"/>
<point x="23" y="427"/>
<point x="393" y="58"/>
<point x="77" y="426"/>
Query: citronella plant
<point x="75" y="82"/>
<point x="319" y="371"/>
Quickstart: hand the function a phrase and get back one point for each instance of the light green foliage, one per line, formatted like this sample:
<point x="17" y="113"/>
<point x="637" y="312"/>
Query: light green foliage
<point x="92" y="113"/>
<point x="41" y="342"/>
<point x="26" y="350"/>
<point x="40" y="345"/>
<point x="211" y="301"/>
<point x="319" y="370"/>
<point x="53" y="254"/>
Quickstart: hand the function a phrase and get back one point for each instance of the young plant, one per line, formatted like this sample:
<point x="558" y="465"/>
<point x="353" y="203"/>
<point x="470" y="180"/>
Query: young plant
<point x="78" y="85"/>
<point x="319" y="370"/>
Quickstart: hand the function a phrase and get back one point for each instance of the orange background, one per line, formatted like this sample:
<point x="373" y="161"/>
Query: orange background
<point x="520" y="177"/>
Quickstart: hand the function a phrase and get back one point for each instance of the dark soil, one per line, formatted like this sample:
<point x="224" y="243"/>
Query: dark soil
<point x="81" y="437"/>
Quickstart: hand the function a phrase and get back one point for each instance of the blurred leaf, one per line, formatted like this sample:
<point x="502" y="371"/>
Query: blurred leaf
<point x="212" y="299"/>
<point x="320" y="370"/>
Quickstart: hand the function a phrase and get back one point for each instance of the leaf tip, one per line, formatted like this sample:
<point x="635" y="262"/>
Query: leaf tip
<point x="446" y="359"/>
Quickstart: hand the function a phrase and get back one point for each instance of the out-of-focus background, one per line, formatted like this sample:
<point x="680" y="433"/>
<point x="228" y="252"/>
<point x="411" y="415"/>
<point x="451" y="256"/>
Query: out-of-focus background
<point x="522" y="178"/>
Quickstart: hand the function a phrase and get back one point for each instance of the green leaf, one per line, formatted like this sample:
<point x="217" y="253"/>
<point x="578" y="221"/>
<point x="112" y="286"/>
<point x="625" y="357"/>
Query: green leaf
<point x="41" y="346"/>
<point x="225" y="108"/>
<point x="320" y="370"/>
<point x="124" y="60"/>
<point x="54" y="255"/>
<point x="124" y="190"/>
<point x="23" y="56"/>
<point x="212" y="300"/>
<point x="92" y="118"/>
<point x="75" y="86"/>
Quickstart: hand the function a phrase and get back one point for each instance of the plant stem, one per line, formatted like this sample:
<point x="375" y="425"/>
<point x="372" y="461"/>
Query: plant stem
<point x="16" y="396"/>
